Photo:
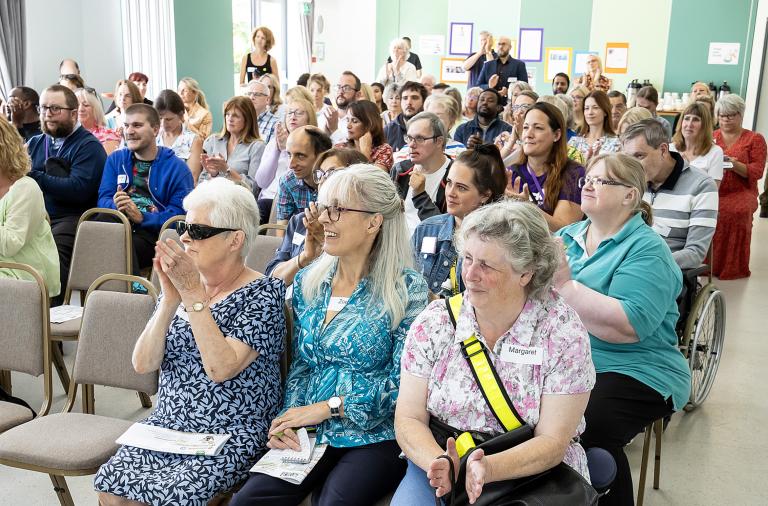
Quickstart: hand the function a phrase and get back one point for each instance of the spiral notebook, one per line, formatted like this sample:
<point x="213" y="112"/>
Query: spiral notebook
<point x="292" y="465"/>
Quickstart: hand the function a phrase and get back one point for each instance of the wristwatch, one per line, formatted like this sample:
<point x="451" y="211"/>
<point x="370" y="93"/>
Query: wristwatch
<point x="334" y="403"/>
<point x="196" y="307"/>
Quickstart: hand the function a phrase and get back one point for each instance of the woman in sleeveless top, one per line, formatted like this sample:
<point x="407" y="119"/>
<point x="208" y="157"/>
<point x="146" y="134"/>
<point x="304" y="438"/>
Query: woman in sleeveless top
<point x="259" y="62"/>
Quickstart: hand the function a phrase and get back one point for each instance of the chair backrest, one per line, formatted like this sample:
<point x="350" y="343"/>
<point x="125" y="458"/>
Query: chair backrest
<point x="112" y="323"/>
<point x="262" y="252"/>
<point x="100" y="248"/>
<point x="168" y="233"/>
<point x="273" y="212"/>
<point x="24" y="332"/>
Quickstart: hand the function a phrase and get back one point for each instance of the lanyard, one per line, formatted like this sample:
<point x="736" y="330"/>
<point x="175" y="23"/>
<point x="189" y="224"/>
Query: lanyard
<point x="539" y="189"/>
<point x="454" y="278"/>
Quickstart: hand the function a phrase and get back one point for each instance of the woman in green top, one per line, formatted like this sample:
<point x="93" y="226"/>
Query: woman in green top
<point x="619" y="276"/>
<point x="25" y="235"/>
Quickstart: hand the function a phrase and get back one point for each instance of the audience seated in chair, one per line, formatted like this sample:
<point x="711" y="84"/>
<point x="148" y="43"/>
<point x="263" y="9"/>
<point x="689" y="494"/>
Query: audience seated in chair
<point x="198" y="118"/>
<point x="174" y="134"/>
<point x="412" y="97"/>
<point x="365" y="134"/>
<point x="21" y="109"/>
<point x="260" y="94"/>
<point x="91" y="116"/>
<point x="217" y="338"/>
<point x="486" y="125"/>
<point x="694" y="141"/>
<point x="347" y="92"/>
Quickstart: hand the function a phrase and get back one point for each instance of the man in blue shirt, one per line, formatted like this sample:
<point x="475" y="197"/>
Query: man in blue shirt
<point x="486" y="125"/>
<point x="500" y="73"/>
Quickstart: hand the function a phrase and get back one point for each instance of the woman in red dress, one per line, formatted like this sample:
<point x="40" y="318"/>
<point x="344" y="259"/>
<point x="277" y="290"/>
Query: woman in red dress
<point x="746" y="150"/>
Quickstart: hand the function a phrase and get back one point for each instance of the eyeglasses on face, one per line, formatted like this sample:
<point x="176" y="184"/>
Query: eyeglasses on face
<point x="599" y="182"/>
<point x="255" y="94"/>
<point x="320" y="175"/>
<point x="334" y="211"/>
<point x="296" y="112"/>
<point x="68" y="77"/>
<point x="199" y="232"/>
<point x="345" y="89"/>
<point x="521" y="107"/>
<point x="727" y="116"/>
<point x="53" y="109"/>
<point x="418" y="139"/>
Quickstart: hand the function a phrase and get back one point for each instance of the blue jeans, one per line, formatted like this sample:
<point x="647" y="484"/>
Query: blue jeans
<point x="414" y="489"/>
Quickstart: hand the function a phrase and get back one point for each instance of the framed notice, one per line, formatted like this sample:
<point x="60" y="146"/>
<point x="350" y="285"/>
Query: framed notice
<point x="460" y="42"/>
<point x="557" y="59"/>
<point x="452" y="71"/>
<point x="531" y="44"/>
<point x="616" y="57"/>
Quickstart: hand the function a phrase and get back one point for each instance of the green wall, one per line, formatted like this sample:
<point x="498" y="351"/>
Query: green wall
<point x="204" y="49"/>
<point x="694" y="25"/>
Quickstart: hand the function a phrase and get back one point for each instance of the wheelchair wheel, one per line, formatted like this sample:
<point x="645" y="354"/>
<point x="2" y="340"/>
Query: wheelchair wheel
<point x="703" y="341"/>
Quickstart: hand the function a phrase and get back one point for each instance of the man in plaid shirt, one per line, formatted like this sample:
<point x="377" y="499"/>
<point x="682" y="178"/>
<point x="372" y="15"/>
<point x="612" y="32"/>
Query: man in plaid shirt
<point x="258" y="92"/>
<point x="297" y="188"/>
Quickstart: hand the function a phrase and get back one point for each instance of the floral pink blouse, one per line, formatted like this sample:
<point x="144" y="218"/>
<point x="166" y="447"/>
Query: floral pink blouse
<point x="432" y="351"/>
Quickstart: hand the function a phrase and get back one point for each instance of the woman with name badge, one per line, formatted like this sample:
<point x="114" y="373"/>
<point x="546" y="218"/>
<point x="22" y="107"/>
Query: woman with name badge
<point x="352" y="308"/>
<point x="518" y="327"/>
<point x="546" y="175"/>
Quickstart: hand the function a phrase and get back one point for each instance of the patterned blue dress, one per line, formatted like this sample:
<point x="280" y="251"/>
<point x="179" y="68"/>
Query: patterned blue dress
<point x="189" y="401"/>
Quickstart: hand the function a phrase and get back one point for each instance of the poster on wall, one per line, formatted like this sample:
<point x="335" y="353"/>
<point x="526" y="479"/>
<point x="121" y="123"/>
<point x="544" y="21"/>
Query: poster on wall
<point x="557" y="59"/>
<point x="452" y="71"/>
<point x="531" y="44"/>
<point x="723" y="53"/>
<point x="616" y="57"/>
<point x="431" y="44"/>
<point x="580" y="62"/>
<point x="460" y="42"/>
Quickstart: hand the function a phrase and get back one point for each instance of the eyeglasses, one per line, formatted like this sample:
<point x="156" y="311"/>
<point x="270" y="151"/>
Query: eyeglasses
<point x="199" y="232"/>
<point x="418" y="140"/>
<point x="521" y="107"/>
<point x="87" y="89"/>
<point x="334" y="211"/>
<point x="68" y="77"/>
<point x="345" y="89"/>
<point x="53" y="109"/>
<point x="319" y="175"/>
<point x="297" y="112"/>
<point x="599" y="182"/>
<point x="254" y="94"/>
<point x="727" y="116"/>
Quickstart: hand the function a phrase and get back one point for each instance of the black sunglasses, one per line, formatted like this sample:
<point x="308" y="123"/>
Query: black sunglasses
<point x="199" y="232"/>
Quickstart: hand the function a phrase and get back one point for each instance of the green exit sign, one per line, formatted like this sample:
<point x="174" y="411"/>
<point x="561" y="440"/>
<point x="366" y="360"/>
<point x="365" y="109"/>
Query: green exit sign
<point x="307" y="8"/>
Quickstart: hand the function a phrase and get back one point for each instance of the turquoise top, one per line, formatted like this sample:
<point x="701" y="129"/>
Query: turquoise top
<point x="635" y="267"/>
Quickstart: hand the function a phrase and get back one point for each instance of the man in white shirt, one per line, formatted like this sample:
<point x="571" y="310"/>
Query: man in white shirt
<point x="347" y="93"/>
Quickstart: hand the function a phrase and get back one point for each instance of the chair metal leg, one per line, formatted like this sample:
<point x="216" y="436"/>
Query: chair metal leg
<point x="146" y="402"/>
<point x="62" y="491"/>
<point x="5" y="381"/>
<point x="58" y="363"/>
<point x="89" y="401"/>
<point x="658" y="427"/>
<point x="644" y="465"/>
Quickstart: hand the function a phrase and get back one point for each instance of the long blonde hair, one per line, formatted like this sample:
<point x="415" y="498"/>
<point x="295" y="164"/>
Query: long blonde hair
<point x="391" y="252"/>
<point x="194" y="86"/>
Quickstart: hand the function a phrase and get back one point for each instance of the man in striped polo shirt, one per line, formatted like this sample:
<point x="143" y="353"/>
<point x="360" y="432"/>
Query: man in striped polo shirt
<point x="684" y="199"/>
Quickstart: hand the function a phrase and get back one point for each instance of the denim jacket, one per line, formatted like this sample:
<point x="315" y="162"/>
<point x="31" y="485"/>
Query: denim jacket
<point x="435" y="263"/>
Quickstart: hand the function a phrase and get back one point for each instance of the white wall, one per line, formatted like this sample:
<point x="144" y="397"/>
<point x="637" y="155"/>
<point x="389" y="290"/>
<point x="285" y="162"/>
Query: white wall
<point x="88" y="31"/>
<point x="349" y="35"/>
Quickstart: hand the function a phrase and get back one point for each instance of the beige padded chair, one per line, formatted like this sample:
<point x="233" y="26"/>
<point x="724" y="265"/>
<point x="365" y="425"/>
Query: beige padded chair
<point x="262" y="252"/>
<point x="100" y="248"/>
<point x="24" y="339"/>
<point x="76" y="444"/>
<point x="271" y="227"/>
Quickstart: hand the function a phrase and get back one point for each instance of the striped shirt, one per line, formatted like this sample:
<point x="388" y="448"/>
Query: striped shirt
<point x="685" y="212"/>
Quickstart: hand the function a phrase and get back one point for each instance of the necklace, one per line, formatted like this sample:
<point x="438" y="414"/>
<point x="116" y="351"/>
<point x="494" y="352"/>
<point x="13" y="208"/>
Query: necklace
<point x="224" y="285"/>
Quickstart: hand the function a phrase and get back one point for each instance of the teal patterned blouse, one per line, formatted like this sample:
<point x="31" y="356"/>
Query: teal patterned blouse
<point x="356" y="356"/>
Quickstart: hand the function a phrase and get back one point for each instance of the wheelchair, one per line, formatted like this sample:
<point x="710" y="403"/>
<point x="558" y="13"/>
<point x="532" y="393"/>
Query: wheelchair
<point x="701" y="331"/>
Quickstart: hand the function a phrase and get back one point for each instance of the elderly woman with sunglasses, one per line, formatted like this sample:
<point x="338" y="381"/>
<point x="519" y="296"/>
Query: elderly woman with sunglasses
<point x="216" y="337"/>
<point x="620" y="277"/>
<point x="352" y="308"/>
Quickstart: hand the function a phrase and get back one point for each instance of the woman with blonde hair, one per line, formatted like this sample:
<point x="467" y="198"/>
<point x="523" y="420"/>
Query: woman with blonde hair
<point x="631" y="116"/>
<point x="199" y="118"/>
<point x="593" y="79"/>
<point x="259" y="62"/>
<point x="578" y="94"/>
<point x="90" y="114"/>
<point x="298" y="92"/>
<point x="469" y="108"/>
<point x="693" y="140"/>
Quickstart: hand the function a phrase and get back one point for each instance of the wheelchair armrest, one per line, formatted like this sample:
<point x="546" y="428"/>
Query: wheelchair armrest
<point x="690" y="275"/>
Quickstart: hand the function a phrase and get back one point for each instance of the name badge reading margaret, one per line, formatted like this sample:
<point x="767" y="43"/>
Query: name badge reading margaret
<point x="337" y="303"/>
<point x="522" y="354"/>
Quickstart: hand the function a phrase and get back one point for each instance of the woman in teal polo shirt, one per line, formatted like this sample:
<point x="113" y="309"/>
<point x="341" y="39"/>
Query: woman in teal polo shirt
<point x="622" y="281"/>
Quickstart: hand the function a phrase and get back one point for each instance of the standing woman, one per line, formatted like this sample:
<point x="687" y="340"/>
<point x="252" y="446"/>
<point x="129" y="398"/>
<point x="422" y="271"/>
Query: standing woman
<point x="545" y="172"/>
<point x="199" y="118"/>
<point x="366" y="134"/>
<point x="235" y="152"/>
<point x="175" y="135"/>
<point x="352" y="308"/>
<point x="259" y="62"/>
<point x="693" y="140"/>
<point x="596" y="135"/>
<point x="91" y="115"/>
<point x="593" y="79"/>
<point x="126" y="94"/>
<point x="746" y="150"/>
<point x="275" y="161"/>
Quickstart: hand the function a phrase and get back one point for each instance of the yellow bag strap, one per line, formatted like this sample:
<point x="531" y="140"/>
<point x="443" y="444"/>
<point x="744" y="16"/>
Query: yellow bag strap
<point x="485" y="374"/>
<point x="454" y="279"/>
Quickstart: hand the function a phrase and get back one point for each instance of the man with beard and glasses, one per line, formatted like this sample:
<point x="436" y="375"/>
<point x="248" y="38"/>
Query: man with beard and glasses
<point x="144" y="181"/>
<point x="502" y="72"/>
<point x="486" y="125"/>
<point x="67" y="162"/>
<point x="412" y="97"/>
<point x="347" y="92"/>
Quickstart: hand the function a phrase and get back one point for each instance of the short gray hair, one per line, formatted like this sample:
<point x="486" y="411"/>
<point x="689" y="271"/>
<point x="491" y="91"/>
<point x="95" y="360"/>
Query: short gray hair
<point x="229" y="206"/>
<point x="730" y="104"/>
<point x="652" y="131"/>
<point x="435" y="124"/>
<point x="568" y="101"/>
<point x="522" y="232"/>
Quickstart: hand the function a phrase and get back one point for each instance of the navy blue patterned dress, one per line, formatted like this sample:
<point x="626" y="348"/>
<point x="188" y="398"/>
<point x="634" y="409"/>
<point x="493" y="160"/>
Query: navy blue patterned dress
<point x="189" y="401"/>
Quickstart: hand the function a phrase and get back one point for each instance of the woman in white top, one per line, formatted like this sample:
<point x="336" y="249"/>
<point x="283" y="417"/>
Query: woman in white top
<point x="174" y="134"/>
<point x="126" y="94"/>
<point x="274" y="163"/>
<point x="596" y="135"/>
<point x="235" y="153"/>
<point x="693" y="140"/>
<point x="399" y="70"/>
